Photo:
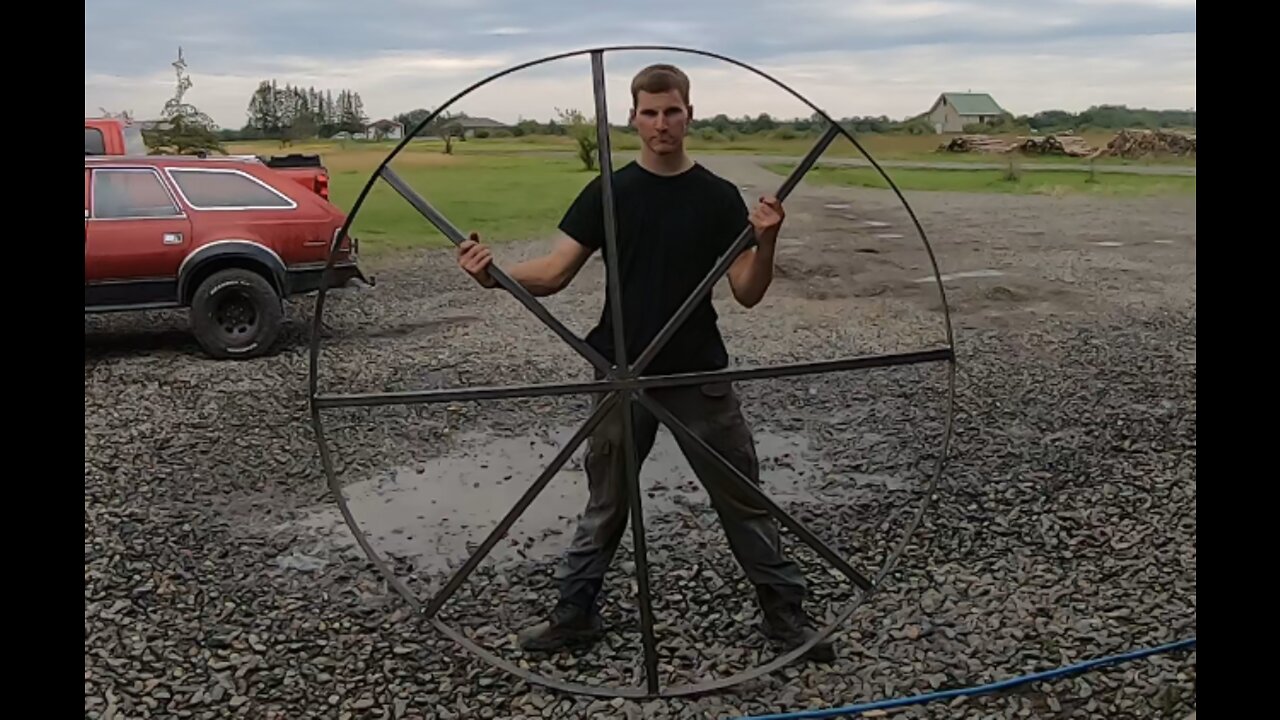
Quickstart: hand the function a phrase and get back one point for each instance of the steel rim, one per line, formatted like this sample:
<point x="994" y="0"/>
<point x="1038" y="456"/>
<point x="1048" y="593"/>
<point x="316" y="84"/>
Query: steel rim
<point x="235" y="315"/>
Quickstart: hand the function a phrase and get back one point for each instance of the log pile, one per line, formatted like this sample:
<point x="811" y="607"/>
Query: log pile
<point x="1126" y="144"/>
<point x="1066" y="144"/>
<point x="1141" y="143"/>
<point x="976" y="143"/>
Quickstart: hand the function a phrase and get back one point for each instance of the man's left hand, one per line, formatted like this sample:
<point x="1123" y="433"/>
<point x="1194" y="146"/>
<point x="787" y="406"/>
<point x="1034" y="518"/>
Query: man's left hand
<point x="767" y="218"/>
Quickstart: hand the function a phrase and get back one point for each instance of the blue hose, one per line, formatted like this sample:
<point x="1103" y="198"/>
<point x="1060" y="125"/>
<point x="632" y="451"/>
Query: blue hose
<point x="977" y="689"/>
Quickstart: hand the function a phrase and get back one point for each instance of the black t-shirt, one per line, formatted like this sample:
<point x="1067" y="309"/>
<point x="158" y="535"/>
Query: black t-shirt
<point x="671" y="232"/>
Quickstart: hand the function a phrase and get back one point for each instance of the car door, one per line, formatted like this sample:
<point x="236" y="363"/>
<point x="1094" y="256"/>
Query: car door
<point x="136" y="235"/>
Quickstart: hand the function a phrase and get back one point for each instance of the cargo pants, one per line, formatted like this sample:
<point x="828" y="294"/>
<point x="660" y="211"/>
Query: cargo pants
<point x="713" y="413"/>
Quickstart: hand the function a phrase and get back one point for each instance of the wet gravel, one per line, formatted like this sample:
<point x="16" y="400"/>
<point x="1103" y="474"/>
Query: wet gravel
<point x="1064" y="528"/>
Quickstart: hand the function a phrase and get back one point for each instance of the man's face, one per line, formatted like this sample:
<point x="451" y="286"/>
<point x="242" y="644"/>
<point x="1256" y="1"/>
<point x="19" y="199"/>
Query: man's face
<point x="662" y="119"/>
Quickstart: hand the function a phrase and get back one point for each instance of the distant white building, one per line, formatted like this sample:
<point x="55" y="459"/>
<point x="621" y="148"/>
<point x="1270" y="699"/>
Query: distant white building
<point x="384" y="130"/>
<point x="469" y="125"/>
<point x="953" y="110"/>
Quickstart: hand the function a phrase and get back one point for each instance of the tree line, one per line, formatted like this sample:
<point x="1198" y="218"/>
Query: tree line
<point x="567" y="120"/>
<point x="289" y="112"/>
<point x="722" y="126"/>
<point x="294" y="112"/>
<point x="1098" y="117"/>
<point x="1111" y="117"/>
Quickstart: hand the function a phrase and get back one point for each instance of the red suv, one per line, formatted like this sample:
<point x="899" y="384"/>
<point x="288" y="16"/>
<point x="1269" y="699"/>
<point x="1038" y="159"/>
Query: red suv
<point x="229" y="238"/>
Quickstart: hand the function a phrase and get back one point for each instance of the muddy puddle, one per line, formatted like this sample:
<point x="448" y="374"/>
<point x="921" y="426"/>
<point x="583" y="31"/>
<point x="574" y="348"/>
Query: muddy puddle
<point x="435" y="512"/>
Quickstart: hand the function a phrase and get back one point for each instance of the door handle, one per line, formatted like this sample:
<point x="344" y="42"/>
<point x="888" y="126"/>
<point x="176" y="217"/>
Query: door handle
<point x="173" y="238"/>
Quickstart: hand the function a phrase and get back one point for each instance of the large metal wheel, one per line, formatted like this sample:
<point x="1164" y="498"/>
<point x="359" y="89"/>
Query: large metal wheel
<point x="622" y="385"/>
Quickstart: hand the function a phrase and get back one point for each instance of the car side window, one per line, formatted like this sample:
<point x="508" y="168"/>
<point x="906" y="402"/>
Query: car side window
<point x="94" y="142"/>
<point x="131" y="193"/>
<point x="226" y="190"/>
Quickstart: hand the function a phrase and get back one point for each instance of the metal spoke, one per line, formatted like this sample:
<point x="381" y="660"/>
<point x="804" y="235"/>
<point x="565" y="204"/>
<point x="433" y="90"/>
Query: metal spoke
<point x="566" y="452"/>
<point x="423" y="397"/>
<point x="644" y="597"/>
<point x="721" y="267"/>
<point x="605" y="161"/>
<point x="427" y="397"/>
<point x="681" y="430"/>
<point x="517" y="290"/>
<point x="614" y="290"/>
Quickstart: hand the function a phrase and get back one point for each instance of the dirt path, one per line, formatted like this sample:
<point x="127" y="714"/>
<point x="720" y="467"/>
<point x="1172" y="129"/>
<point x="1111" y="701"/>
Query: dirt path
<point x="1000" y="256"/>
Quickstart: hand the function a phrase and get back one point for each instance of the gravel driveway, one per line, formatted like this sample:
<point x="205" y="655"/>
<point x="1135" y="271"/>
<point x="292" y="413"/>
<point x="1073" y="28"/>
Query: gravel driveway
<point x="220" y="583"/>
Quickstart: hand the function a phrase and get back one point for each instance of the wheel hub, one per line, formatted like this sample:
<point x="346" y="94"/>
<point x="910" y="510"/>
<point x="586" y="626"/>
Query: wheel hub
<point x="236" y="315"/>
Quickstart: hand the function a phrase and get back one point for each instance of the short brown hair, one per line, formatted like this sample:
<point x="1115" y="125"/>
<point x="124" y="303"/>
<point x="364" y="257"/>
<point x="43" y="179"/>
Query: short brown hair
<point x="660" y="78"/>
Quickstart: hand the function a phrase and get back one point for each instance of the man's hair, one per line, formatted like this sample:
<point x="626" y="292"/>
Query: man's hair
<point x="658" y="79"/>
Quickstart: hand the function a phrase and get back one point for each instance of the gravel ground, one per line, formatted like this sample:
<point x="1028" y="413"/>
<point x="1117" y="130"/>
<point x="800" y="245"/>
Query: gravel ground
<point x="216" y="584"/>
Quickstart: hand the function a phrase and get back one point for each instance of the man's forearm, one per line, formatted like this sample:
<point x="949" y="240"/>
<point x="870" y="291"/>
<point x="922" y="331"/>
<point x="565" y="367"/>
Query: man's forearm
<point x="756" y="276"/>
<point x="537" y="276"/>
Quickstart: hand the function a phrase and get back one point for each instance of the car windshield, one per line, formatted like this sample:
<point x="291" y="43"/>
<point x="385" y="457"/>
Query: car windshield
<point x="133" y="142"/>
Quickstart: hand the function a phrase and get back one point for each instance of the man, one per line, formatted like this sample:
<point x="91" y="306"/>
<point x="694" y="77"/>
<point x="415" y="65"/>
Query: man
<point x="674" y="220"/>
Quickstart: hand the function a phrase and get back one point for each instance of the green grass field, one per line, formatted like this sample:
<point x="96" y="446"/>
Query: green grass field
<point x="519" y="188"/>
<point x="1048" y="182"/>
<point x="500" y="197"/>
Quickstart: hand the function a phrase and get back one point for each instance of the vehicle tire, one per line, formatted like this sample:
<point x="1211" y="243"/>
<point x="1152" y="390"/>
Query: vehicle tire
<point x="235" y="313"/>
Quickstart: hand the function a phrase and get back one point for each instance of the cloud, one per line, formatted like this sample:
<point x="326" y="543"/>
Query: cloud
<point x="865" y="57"/>
<point x="506" y="31"/>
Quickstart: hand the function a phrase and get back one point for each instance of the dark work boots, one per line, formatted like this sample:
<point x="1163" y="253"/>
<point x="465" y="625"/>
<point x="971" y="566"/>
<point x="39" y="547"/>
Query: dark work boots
<point x="788" y="625"/>
<point x="569" y="626"/>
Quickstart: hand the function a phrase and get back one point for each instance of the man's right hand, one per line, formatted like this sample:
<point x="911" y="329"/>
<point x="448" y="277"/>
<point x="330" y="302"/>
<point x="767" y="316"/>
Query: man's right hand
<point x="475" y="258"/>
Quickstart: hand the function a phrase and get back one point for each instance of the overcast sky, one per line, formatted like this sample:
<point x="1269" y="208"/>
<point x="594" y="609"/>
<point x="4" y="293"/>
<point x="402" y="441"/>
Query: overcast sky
<point x="849" y="57"/>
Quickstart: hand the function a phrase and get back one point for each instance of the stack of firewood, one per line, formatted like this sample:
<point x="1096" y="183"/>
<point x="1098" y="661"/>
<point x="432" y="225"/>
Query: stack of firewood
<point x="1126" y="144"/>
<point x="976" y="143"/>
<point x="1065" y="144"/>
<point x="1141" y="143"/>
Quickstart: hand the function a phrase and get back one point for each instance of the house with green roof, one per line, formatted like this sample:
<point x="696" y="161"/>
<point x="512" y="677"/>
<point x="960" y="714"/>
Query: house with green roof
<point x="953" y="110"/>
